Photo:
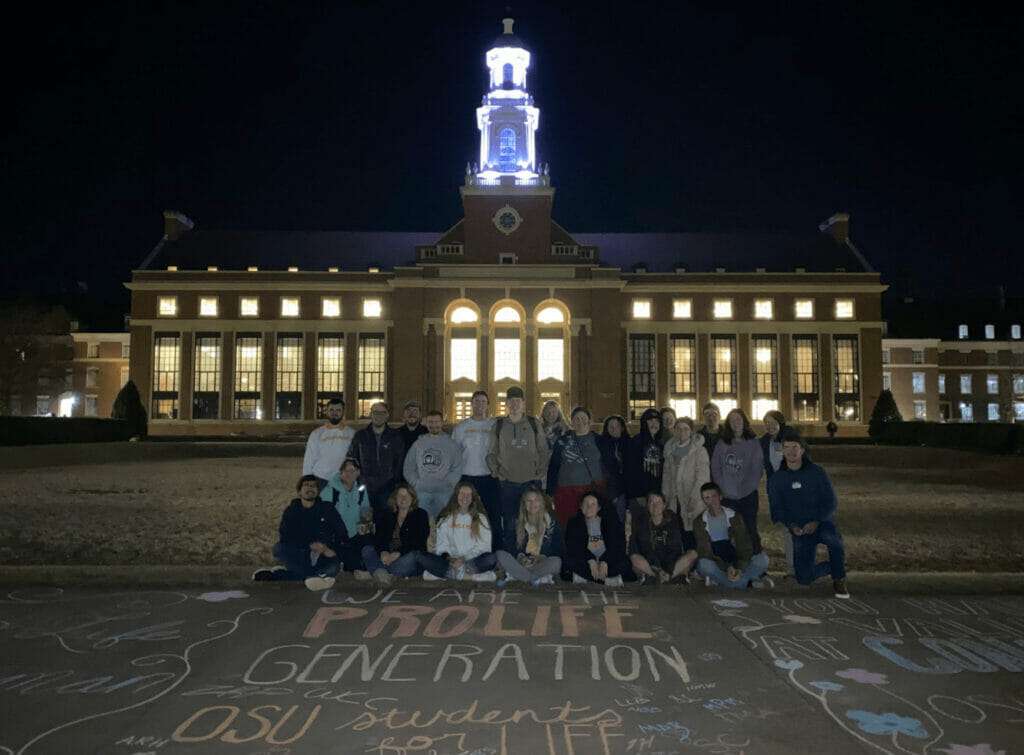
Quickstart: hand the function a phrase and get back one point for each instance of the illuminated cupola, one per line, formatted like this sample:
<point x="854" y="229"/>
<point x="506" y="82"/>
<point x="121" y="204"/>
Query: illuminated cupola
<point x="507" y="119"/>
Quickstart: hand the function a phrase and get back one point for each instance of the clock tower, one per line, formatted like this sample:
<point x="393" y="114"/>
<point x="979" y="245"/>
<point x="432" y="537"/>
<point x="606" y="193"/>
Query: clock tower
<point x="507" y="195"/>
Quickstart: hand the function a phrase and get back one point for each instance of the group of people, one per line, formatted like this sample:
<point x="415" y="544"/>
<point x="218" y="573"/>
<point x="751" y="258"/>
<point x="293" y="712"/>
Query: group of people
<point x="535" y="499"/>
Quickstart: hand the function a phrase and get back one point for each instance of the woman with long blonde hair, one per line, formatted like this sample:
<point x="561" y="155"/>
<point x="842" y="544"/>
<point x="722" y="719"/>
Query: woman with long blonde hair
<point x="538" y="555"/>
<point x="463" y="546"/>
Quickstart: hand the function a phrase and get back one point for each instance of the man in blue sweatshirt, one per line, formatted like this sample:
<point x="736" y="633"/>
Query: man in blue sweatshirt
<point x="800" y="496"/>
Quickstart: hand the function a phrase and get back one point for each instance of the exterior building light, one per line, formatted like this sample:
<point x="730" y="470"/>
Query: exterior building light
<point x="293" y="269"/>
<point x="252" y="269"/>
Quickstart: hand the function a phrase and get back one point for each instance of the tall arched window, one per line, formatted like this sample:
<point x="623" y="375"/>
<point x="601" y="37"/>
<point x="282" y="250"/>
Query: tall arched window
<point x="507" y="319"/>
<point x="462" y="364"/>
<point x="506" y="75"/>
<point x="552" y="319"/>
<point x="507" y="149"/>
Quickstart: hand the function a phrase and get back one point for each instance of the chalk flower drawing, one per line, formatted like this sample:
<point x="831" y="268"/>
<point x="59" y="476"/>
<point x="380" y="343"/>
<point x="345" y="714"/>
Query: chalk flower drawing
<point x="827" y="686"/>
<point x="726" y="603"/>
<point x="984" y="749"/>
<point x="862" y="676"/>
<point x="220" y="597"/>
<point x="797" y="619"/>
<point x="887" y="723"/>
<point x="790" y="665"/>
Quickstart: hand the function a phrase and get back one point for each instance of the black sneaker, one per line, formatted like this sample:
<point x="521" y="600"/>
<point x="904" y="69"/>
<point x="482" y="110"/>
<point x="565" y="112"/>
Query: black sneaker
<point x="839" y="588"/>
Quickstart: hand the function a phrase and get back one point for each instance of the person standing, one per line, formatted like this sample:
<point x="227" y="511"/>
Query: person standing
<point x="379" y="451"/>
<point x="328" y="445"/>
<point x="538" y="555"/>
<point x="473" y="436"/>
<point x="311" y="536"/>
<point x="668" y="421"/>
<point x="552" y="422"/>
<point x="771" y="448"/>
<point x="712" y="427"/>
<point x="737" y="465"/>
<point x="433" y="465"/>
<point x="723" y="546"/>
<point x="575" y="466"/>
<point x="614" y="452"/>
<point x="400" y="539"/>
<point x="412" y="428"/>
<point x="687" y="467"/>
<point x="595" y="549"/>
<point x="801" y="496"/>
<point x="646" y="458"/>
<point x="518" y="458"/>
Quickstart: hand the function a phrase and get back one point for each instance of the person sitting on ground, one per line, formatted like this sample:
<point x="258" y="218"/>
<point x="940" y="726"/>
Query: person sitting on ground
<point x="311" y="538"/>
<point x="352" y="503"/>
<point x="575" y="466"/>
<point x="433" y="465"/>
<point x="801" y="497"/>
<point x="462" y="549"/>
<point x="687" y="467"/>
<point x="538" y="555"/>
<point x="723" y="545"/>
<point x="328" y="445"/>
<point x="400" y="539"/>
<point x="595" y="550"/>
<point x="657" y="551"/>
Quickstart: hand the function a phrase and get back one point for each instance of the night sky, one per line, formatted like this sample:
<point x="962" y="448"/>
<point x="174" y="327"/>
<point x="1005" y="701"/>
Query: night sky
<point x="667" y="117"/>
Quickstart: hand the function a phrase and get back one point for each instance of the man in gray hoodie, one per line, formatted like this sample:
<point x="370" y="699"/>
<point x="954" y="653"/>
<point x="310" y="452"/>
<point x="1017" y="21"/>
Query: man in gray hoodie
<point x="433" y="465"/>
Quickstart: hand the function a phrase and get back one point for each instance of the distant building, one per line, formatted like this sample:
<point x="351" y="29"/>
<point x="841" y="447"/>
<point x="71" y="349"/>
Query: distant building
<point x="99" y="371"/>
<point x="250" y="332"/>
<point x="35" y="359"/>
<point x="956" y="361"/>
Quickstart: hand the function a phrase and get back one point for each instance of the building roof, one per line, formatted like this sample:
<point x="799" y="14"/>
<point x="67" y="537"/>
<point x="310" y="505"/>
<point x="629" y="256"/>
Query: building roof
<point x="659" y="252"/>
<point x="924" y="318"/>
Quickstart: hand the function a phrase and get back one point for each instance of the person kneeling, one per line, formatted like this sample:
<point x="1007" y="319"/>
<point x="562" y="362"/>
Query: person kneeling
<point x="657" y="551"/>
<point x="595" y="546"/>
<point x="401" y="538"/>
<point x="312" y="534"/>
<point x="726" y="553"/>
<point x="538" y="543"/>
<point x="463" y="546"/>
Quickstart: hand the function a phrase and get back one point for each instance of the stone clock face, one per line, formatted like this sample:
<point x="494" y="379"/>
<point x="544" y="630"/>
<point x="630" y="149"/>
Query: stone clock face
<point x="507" y="219"/>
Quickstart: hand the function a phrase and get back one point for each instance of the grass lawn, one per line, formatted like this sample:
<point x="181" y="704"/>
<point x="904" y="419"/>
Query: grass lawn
<point x="900" y="509"/>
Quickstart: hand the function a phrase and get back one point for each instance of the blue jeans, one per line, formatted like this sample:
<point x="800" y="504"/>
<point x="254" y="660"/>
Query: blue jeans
<point x="758" y="565"/>
<point x="805" y="549"/>
<point x="432" y="501"/>
<point x="511" y="492"/>
<point x="487" y="487"/>
<point x="295" y="559"/>
<point x="407" y="565"/>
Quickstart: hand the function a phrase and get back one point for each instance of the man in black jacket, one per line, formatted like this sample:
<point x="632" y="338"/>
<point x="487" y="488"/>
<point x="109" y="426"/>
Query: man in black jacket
<point x="380" y="453"/>
<point x="311" y="536"/>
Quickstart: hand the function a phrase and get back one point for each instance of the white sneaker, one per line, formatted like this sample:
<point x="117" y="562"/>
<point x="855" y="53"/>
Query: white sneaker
<point x="547" y="579"/>
<point x="707" y="581"/>
<point x="614" y="581"/>
<point x="319" y="583"/>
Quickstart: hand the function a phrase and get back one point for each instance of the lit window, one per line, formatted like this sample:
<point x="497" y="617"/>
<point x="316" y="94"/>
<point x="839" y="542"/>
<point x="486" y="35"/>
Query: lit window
<point x="723" y="309"/>
<point x="372" y="366"/>
<point x="886" y="381"/>
<point x="918" y="382"/>
<point x="371" y="308"/>
<point x="463" y="358"/>
<point x="993" y="412"/>
<point x="682" y="309"/>
<point x="763" y="310"/>
<point x="886" y="356"/>
<point x="966" y="412"/>
<point x="1018" y="411"/>
<point x="463" y="315"/>
<point x="965" y="383"/>
<point x="684" y="407"/>
<point x="463" y="406"/>
<point x="550" y="315"/>
<point x="124" y="375"/>
<point x="91" y="377"/>
<point x="506" y="359"/>
<point x="1018" y="385"/>
<point x="641" y="309"/>
<point x="962" y="331"/>
<point x="168" y="306"/>
<point x="1015" y="332"/>
<point x="289" y="376"/>
<point x="804" y="309"/>
<point x="507" y="314"/>
<point x="249" y="306"/>
<point x="330" y="307"/>
<point x="761" y="406"/>
<point x="942" y="383"/>
<point x="550" y="359"/>
<point x="289" y="307"/>
<point x="126" y="350"/>
<point x="92" y="351"/>
<point x="208" y="306"/>
<point x="330" y="370"/>
<point x="844" y="309"/>
<point x="990" y="332"/>
<point x="992" y="383"/>
<point x="920" y="410"/>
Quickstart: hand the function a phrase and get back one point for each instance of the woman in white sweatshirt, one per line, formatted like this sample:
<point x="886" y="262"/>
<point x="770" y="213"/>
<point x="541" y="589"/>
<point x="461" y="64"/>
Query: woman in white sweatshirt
<point x="462" y="549"/>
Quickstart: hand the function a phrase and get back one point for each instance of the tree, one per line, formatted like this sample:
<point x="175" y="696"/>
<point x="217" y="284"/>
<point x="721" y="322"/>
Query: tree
<point x="885" y="411"/>
<point x="128" y="406"/>
<point x="35" y="351"/>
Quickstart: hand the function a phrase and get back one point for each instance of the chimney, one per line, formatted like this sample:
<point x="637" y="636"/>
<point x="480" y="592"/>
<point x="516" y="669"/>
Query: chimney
<point x="507" y="23"/>
<point x="176" y="225"/>
<point x="838" y="226"/>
